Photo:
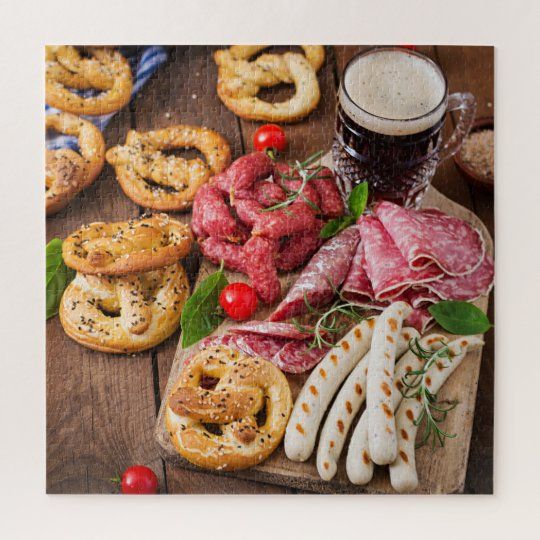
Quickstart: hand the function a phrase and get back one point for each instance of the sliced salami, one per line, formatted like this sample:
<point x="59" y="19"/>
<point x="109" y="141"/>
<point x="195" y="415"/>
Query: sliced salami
<point x="275" y="329"/>
<point x="297" y="357"/>
<point x="430" y="236"/>
<point x="321" y="276"/>
<point x="469" y="287"/>
<point x="357" y="286"/>
<point x="419" y="318"/>
<point x="388" y="271"/>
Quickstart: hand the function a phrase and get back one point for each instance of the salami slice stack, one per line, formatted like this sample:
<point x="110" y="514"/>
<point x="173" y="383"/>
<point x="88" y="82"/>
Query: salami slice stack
<point x="419" y="256"/>
<point x="280" y="343"/>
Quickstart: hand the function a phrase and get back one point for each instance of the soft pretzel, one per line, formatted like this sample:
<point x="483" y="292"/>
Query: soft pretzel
<point x="124" y="314"/>
<point x="106" y="70"/>
<point x="155" y="180"/>
<point x="127" y="247"/>
<point x="239" y="81"/>
<point x="235" y="425"/>
<point x="68" y="172"/>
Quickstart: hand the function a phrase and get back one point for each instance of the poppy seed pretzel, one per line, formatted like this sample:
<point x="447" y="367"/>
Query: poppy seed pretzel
<point x="124" y="314"/>
<point x="127" y="247"/>
<point x="68" y="172"/>
<point x="247" y="387"/>
<point x="155" y="180"/>
<point x="239" y="81"/>
<point x="106" y="70"/>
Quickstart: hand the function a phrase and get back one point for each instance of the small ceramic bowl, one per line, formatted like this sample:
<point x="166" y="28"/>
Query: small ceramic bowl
<point x="472" y="176"/>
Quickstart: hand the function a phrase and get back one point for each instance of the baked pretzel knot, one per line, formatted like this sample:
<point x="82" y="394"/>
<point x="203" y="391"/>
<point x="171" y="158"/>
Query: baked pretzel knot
<point x="248" y="410"/>
<point x="105" y="70"/>
<point x="124" y="314"/>
<point x="167" y="182"/>
<point x="127" y="247"/>
<point x="239" y="81"/>
<point x="68" y="172"/>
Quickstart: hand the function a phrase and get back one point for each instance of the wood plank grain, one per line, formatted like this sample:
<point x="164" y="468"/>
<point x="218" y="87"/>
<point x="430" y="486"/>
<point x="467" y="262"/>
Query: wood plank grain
<point x="472" y="68"/>
<point x="184" y="92"/>
<point x="100" y="407"/>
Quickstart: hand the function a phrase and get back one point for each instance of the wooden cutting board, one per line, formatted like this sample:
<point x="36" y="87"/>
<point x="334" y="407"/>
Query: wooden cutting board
<point x="441" y="471"/>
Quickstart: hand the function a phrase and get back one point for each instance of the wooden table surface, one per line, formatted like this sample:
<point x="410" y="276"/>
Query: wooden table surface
<point x="102" y="408"/>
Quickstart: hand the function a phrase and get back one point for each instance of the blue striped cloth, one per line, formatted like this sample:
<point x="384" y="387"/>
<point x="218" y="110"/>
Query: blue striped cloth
<point x="144" y="61"/>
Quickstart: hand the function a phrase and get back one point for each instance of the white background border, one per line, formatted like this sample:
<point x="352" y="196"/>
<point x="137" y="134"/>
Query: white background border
<point x="25" y="510"/>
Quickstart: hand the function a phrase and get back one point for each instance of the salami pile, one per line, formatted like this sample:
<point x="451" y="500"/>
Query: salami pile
<point x="417" y="256"/>
<point x="259" y="217"/>
<point x="280" y="343"/>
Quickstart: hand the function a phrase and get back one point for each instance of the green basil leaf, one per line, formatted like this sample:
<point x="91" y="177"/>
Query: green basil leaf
<point x="460" y="318"/>
<point x="57" y="276"/>
<point x="358" y="199"/>
<point x="200" y="316"/>
<point x="336" y="225"/>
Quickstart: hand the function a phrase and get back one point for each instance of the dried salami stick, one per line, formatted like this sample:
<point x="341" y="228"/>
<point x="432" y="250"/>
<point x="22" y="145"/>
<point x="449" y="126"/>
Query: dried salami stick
<point x="403" y="475"/>
<point x="381" y="421"/>
<point x="344" y="409"/>
<point x="321" y="386"/>
<point x="359" y="464"/>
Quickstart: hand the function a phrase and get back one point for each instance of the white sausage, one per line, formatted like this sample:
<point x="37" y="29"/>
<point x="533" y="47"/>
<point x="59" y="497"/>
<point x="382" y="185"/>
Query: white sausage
<point x="320" y="388"/>
<point x="359" y="464"/>
<point x="403" y="475"/>
<point x="344" y="409"/>
<point x="381" y="421"/>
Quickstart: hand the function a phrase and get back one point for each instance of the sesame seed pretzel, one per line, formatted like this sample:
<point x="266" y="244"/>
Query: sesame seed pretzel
<point x="127" y="247"/>
<point x="239" y="81"/>
<point x="68" y="172"/>
<point x="247" y="386"/>
<point x="167" y="182"/>
<point x="124" y="314"/>
<point x="106" y="70"/>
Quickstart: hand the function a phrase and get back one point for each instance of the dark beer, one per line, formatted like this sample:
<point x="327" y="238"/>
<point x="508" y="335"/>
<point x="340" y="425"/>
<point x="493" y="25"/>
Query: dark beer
<point x="391" y="110"/>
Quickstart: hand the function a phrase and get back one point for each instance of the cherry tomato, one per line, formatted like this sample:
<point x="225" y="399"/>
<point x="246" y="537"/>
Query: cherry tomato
<point x="139" y="480"/>
<point x="239" y="301"/>
<point x="269" y="136"/>
<point x="411" y="47"/>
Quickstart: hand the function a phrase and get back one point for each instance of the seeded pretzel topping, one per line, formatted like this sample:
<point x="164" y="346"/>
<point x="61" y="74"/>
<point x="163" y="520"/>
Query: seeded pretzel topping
<point x="124" y="314"/>
<point x="127" y="247"/>
<point x="239" y="422"/>
<point x="106" y="70"/>
<point x="68" y="172"/>
<point x="167" y="182"/>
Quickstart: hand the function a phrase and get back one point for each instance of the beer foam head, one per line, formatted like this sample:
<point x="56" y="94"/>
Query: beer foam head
<point x="393" y="92"/>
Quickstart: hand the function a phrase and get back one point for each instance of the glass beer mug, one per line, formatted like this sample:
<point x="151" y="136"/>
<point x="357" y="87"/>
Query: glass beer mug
<point x="390" y="116"/>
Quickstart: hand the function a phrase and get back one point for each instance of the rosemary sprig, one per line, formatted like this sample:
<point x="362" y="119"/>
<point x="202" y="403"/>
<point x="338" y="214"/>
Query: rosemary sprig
<point x="306" y="173"/>
<point x="433" y="411"/>
<point x="329" y="322"/>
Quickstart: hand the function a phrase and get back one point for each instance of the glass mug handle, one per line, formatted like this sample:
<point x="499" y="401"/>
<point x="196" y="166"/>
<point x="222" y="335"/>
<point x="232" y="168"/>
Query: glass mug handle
<point x="464" y="102"/>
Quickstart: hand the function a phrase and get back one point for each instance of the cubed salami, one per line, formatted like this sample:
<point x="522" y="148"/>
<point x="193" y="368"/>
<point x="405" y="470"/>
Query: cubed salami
<point x="321" y="276"/>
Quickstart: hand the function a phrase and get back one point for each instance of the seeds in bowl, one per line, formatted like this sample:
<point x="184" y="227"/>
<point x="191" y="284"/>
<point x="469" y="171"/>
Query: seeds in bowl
<point x="478" y="153"/>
